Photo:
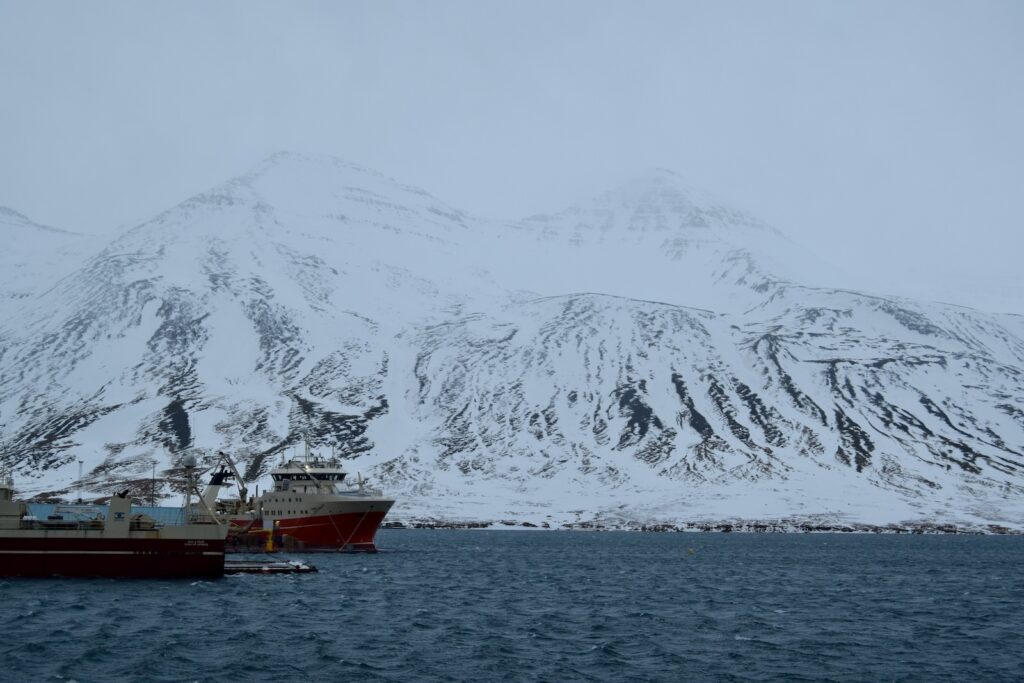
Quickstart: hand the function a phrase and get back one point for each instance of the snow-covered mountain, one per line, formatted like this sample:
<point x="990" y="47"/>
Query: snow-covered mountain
<point x="33" y="254"/>
<point x="652" y="356"/>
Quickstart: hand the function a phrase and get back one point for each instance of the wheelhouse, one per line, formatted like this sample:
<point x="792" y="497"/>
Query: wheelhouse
<point x="308" y="476"/>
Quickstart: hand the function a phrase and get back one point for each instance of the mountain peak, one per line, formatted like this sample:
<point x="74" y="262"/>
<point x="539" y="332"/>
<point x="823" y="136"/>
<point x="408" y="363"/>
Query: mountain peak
<point x="327" y="185"/>
<point x="665" y="191"/>
<point x="657" y="200"/>
<point x="8" y="213"/>
<point x="291" y="161"/>
<point x="9" y="216"/>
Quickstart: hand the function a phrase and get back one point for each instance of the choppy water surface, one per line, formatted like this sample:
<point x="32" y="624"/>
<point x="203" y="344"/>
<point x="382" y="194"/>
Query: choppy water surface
<point x="511" y="605"/>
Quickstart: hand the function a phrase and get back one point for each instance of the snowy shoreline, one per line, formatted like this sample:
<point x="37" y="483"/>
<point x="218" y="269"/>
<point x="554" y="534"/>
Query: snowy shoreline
<point x="774" y="527"/>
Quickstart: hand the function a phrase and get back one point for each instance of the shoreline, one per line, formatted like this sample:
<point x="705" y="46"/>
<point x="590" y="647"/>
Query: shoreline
<point x="743" y="527"/>
<point x="784" y="525"/>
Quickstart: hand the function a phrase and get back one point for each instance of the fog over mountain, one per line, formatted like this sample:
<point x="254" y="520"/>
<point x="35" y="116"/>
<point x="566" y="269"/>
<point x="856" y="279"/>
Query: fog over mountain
<point x="883" y="136"/>
<point x="32" y="254"/>
<point x="653" y="356"/>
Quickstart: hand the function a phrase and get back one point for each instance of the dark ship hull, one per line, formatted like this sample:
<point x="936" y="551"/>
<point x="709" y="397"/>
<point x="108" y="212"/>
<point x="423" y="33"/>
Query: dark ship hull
<point x="50" y="554"/>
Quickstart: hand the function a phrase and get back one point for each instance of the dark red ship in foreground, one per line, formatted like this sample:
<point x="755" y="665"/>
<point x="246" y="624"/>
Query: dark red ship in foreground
<point x="122" y="544"/>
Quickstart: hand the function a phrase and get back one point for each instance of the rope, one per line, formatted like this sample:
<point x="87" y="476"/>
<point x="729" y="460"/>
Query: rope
<point x="354" y="529"/>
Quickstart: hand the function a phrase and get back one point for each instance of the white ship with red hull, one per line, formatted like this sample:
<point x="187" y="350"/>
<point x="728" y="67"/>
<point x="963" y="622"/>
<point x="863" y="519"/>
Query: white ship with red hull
<point x="120" y="545"/>
<point x="310" y="508"/>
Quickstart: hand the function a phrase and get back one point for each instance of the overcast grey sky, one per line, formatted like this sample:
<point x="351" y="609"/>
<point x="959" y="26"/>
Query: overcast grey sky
<point x="885" y="134"/>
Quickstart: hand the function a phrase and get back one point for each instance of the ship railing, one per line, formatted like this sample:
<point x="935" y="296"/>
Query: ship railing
<point x="368" y="491"/>
<point x="80" y="511"/>
<point x="38" y="514"/>
<point x="201" y="518"/>
<point x="32" y="522"/>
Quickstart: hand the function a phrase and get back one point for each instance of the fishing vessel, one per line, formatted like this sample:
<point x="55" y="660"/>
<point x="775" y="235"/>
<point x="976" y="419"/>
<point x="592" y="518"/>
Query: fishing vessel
<point x="86" y="542"/>
<point x="311" y="507"/>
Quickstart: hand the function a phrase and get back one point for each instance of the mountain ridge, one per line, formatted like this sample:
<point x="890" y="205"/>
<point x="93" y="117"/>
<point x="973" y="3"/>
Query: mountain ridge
<point x="466" y="364"/>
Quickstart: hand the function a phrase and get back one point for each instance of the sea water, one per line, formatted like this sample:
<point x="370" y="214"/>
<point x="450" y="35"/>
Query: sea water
<point x="476" y="605"/>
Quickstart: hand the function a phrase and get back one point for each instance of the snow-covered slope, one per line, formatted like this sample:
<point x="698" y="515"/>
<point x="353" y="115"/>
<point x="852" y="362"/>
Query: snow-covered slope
<point x="652" y="356"/>
<point x="33" y="255"/>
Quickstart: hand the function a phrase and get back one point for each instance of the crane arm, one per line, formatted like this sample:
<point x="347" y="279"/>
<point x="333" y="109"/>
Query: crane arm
<point x="243" y="491"/>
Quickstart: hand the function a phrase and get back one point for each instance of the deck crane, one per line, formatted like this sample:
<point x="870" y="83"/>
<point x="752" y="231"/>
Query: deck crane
<point x="220" y="479"/>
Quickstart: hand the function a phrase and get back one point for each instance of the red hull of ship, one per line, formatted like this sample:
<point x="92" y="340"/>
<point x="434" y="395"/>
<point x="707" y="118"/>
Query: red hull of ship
<point x="347" y="532"/>
<point x="103" y="557"/>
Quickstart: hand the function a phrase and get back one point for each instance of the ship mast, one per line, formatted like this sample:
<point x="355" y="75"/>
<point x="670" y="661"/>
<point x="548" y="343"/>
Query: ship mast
<point x="190" y="471"/>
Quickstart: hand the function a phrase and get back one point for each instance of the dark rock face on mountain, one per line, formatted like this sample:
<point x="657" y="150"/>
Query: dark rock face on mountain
<point x="654" y="356"/>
